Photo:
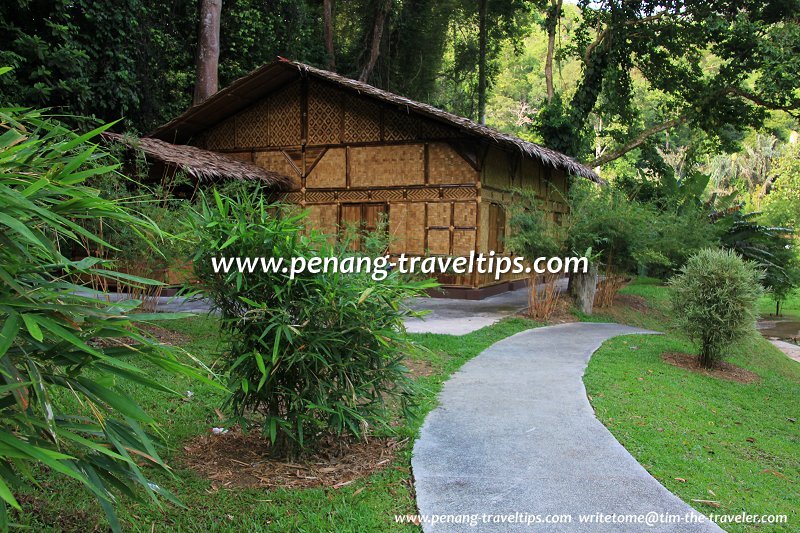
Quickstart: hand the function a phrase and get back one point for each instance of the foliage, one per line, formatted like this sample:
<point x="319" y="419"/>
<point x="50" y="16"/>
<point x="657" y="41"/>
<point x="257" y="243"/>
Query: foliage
<point x="782" y="204"/>
<point x="714" y="298"/>
<point x="457" y="87"/>
<point x="622" y="232"/>
<point x="135" y="59"/>
<point x="367" y="501"/>
<point x="771" y="248"/>
<point x="62" y="364"/>
<point x="535" y="233"/>
<point x="312" y="353"/>
<point x="689" y="54"/>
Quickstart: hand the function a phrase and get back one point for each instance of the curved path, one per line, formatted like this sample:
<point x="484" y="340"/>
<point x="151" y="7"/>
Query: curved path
<point x="515" y="433"/>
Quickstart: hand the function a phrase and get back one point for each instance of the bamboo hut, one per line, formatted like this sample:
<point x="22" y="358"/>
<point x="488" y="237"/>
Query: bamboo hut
<point x="353" y="152"/>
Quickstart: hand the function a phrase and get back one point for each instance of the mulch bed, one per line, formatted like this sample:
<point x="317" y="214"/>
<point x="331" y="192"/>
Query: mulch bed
<point x="240" y="460"/>
<point x="722" y="370"/>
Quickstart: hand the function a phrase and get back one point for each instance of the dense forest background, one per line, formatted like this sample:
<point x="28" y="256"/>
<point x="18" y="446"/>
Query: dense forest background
<point x="652" y="93"/>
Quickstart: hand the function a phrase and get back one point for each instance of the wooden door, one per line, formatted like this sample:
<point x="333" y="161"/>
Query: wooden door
<point x="363" y="217"/>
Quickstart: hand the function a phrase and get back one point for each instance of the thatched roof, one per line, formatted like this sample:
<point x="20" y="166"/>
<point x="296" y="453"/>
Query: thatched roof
<point x="199" y="163"/>
<point x="249" y="89"/>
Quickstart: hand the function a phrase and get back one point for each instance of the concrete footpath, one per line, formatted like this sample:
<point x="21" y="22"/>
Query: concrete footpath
<point x="515" y="433"/>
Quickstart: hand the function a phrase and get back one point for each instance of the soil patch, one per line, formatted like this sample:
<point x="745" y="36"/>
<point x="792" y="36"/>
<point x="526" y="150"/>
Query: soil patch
<point x="637" y="303"/>
<point x="239" y="460"/>
<point x="418" y="368"/>
<point x="563" y="311"/>
<point x="723" y="370"/>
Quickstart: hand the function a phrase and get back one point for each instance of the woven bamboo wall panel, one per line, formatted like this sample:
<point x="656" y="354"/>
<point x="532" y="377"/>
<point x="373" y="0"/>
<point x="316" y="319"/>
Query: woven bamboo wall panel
<point x="222" y="136"/>
<point x="293" y="197"/>
<point x="429" y="129"/>
<point x="426" y="193"/>
<point x="439" y="241"/>
<point x="559" y="181"/>
<point x="362" y="120"/>
<point x="284" y="117"/>
<point x="459" y="193"/>
<point x="483" y="227"/>
<point x="398" y="220"/>
<point x="439" y="214"/>
<point x="330" y="171"/>
<point x="252" y="126"/>
<point x="320" y="197"/>
<point x="387" y="195"/>
<point x="354" y="195"/>
<point x="387" y="165"/>
<point x="242" y="156"/>
<point x="465" y="214"/>
<point x="463" y="241"/>
<point x="278" y="162"/>
<point x="324" y="114"/>
<point x="323" y="218"/>
<point x="496" y="169"/>
<point x="530" y="171"/>
<point x="445" y="165"/>
<point x="415" y="228"/>
<point x="494" y="195"/>
<point x="399" y="126"/>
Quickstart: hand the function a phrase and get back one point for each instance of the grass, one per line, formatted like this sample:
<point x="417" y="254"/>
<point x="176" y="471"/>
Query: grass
<point x="703" y="438"/>
<point x="366" y="505"/>
<point x="789" y="308"/>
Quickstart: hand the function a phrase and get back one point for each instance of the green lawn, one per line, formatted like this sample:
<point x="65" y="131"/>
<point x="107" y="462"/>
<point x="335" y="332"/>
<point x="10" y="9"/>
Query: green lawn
<point x="732" y="443"/>
<point x="366" y="505"/>
<point x="789" y="309"/>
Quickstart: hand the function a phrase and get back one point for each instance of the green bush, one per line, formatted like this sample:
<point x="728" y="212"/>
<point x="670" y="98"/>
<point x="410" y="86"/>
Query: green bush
<point x="714" y="298"/>
<point x="318" y="353"/>
<point x="63" y="371"/>
<point x="621" y="231"/>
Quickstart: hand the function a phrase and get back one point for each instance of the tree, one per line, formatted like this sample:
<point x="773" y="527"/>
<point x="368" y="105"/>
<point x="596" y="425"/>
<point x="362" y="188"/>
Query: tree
<point x="376" y="39"/>
<point x="551" y="25"/>
<point x="476" y="34"/>
<point x="207" y="61"/>
<point x="701" y="56"/>
<point x="327" y="18"/>
<point x="134" y="59"/>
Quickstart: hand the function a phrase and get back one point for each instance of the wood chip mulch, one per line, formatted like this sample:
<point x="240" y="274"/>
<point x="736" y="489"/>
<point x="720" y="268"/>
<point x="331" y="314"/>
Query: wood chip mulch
<point x="241" y="460"/>
<point x="722" y="370"/>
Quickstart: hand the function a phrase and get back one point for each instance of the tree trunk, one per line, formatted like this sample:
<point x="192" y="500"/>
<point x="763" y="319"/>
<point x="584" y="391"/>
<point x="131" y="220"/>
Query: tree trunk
<point x="553" y="15"/>
<point x="707" y="358"/>
<point x="327" y="15"/>
<point x="584" y="287"/>
<point x="482" y="61"/>
<point x="207" y="62"/>
<point x="375" y="46"/>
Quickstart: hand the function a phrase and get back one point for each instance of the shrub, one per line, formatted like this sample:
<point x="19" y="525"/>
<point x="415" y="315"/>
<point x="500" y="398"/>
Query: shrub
<point x="63" y="370"/>
<point x="536" y="235"/>
<point x="714" y="298"/>
<point x="318" y="353"/>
